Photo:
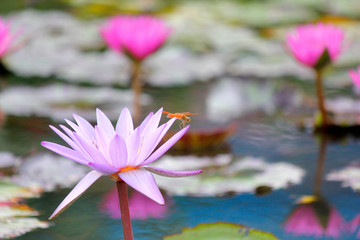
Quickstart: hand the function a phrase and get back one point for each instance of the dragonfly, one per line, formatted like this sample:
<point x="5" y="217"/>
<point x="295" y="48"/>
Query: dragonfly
<point x="181" y="116"/>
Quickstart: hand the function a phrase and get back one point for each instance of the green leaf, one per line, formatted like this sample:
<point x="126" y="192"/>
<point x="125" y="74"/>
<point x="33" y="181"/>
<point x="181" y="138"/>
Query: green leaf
<point x="12" y="192"/>
<point x="14" y="227"/>
<point x="220" y="231"/>
<point x="323" y="61"/>
<point x="16" y="210"/>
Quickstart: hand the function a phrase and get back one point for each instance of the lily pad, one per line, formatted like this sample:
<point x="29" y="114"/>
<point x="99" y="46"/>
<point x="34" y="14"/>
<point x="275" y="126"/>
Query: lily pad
<point x="270" y="67"/>
<point x="16" y="210"/>
<point x="50" y="30"/>
<point x="231" y="98"/>
<point x="341" y="8"/>
<point x="61" y="101"/>
<point x="14" y="227"/>
<point x="48" y="172"/>
<point x="8" y="160"/>
<point x="344" y="111"/>
<point x="206" y="141"/>
<point x="82" y="61"/>
<point x="177" y="66"/>
<point x="349" y="176"/>
<point x="261" y="14"/>
<point x="224" y="174"/>
<point x="17" y="219"/>
<point x="12" y="192"/>
<point x="220" y="231"/>
<point x="96" y="8"/>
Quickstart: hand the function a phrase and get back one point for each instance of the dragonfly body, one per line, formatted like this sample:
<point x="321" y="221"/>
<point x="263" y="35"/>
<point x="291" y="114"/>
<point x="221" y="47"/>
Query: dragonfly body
<point x="181" y="116"/>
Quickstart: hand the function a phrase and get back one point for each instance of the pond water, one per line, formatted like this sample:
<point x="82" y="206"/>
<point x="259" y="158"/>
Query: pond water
<point x="267" y="170"/>
<point x="273" y="138"/>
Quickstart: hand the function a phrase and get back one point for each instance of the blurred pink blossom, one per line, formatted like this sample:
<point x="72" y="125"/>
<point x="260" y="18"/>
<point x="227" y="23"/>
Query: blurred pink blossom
<point x="309" y="42"/>
<point x="141" y="207"/>
<point x="137" y="36"/>
<point x="355" y="76"/>
<point x="6" y="39"/>
<point x="305" y="221"/>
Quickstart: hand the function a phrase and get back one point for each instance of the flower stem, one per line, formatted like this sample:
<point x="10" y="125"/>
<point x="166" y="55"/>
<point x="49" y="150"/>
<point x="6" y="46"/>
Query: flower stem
<point x="2" y="118"/>
<point x="136" y="87"/>
<point x="320" y="163"/>
<point x="124" y="208"/>
<point x="320" y="96"/>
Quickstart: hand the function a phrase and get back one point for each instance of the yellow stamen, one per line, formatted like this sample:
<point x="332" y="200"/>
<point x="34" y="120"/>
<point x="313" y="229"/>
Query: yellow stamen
<point x="127" y="168"/>
<point x="307" y="199"/>
<point x="115" y="176"/>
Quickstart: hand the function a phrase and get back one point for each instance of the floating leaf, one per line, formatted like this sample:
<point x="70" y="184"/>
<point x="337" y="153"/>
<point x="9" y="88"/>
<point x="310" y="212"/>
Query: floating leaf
<point x="206" y="140"/>
<point x="221" y="231"/>
<point x="231" y="98"/>
<point x="61" y="101"/>
<point x="48" y="172"/>
<point x="12" y="192"/>
<point x="182" y="67"/>
<point x="16" y="210"/>
<point x="271" y="67"/>
<point x="14" y="227"/>
<point x="349" y="176"/>
<point x="344" y="111"/>
<point x="59" y="33"/>
<point x="8" y="160"/>
<point x="225" y="174"/>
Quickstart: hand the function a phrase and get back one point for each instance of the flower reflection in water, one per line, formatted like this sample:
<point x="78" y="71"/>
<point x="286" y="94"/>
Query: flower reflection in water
<point x="354" y="224"/>
<point x="313" y="215"/>
<point x="315" y="219"/>
<point x="141" y="207"/>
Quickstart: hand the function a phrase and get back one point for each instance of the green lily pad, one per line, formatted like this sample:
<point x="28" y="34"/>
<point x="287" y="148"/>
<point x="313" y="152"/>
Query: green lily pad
<point x="220" y="231"/>
<point x="349" y="176"/>
<point x="17" y="210"/>
<point x="14" y="227"/>
<point x="224" y="174"/>
<point x="50" y="101"/>
<point x="12" y="192"/>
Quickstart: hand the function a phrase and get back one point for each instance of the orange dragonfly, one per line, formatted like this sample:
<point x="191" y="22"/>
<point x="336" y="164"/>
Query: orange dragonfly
<point x="181" y="116"/>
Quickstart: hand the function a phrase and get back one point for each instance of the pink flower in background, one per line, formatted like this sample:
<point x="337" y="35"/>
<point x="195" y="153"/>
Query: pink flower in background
<point x="305" y="222"/>
<point x="355" y="76"/>
<point x="122" y="152"/>
<point x="137" y="36"/>
<point x="141" y="207"/>
<point x="6" y="39"/>
<point x="309" y="42"/>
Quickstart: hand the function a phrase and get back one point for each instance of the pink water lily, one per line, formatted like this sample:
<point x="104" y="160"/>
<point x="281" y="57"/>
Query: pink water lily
<point x="355" y="77"/>
<point x="137" y="36"/>
<point x="123" y="153"/>
<point x="6" y="39"/>
<point x="309" y="42"/>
